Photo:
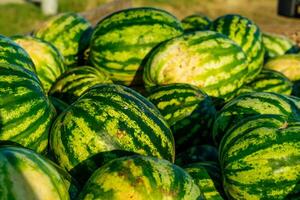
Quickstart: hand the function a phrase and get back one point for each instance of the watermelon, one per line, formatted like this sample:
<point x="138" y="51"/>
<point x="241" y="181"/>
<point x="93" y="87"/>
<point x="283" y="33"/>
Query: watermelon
<point x="140" y="177"/>
<point x="246" y="34"/>
<point x="270" y="81"/>
<point x="277" y="45"/>
<point x="121" y="41"/>
<point x="251" y="104"/>
<point x="74" y="82"/>
<point x="288" y="64"/>
<point x="196" y="22"/>
<point x="188" y="110"/>
<point x="260" y="158"/>
<point x="25" y="111"/>
<point x="59" y="105"/>
<point x="108" y="121"/>
<point x="27" y="175"/>
<point x="12" y="53"/>
<point x="48" y="61"/>
<point x="206" y="59"/>
<point x="207" y="176"/>
<point x="69" y="33"/>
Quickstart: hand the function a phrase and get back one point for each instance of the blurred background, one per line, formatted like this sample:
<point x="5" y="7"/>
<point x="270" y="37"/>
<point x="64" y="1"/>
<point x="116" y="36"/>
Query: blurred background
<point x="22" y="16"/>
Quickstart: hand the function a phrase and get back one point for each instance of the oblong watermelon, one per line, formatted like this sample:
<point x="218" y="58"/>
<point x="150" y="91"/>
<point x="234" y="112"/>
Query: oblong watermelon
<point x="49" y="63"/>
<point x="69" y="33"/>
<point x="206" y="59"/>
<point x="108" y="121"/>
<point x="246" y="34"/>
<point x="140" y="177"/>
<point x="121" y="41"/>
<point x="260" y="158"/>
<point x="25" y="111"/>
<point x="27" y="175"/>
<point x="196" y="22"/>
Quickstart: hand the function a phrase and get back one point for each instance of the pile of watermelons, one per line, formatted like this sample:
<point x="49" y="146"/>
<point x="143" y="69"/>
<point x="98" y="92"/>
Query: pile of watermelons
<point x="146" y="107"/>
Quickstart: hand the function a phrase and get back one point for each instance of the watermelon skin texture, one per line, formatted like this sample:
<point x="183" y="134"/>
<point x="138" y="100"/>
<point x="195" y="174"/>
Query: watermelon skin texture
<point x="69" y="33"/>
<point x="251" y="104"/>
<point x="27" y="175"/>
<point x="288" y="64"/>
<point x="12" y="53"/>
<point x="206" y="59"/>
<point x="196" y="22"/>
<point x="188" y="110"/>
<point x="48" y="61"/>
<point x="121" y="41"/>
<point x="107" y="122"/>
<point x="74" y="82"/>
<point x="277" y="45"/>
<point x="260" y="158"/>
<point x="25" y="111"/>
<point x="140" y="177"/>
<point x="246" y="34"/>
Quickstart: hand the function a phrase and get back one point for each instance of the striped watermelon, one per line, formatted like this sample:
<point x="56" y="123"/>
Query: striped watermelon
<point x="189" y="112"/>
<point x="25" y="111"/>
<point x="121" y="41"/>
<point x="205" y="59"/>
<point x="140" y="177"/>
<point x="250" y="104"/>
<point x="288" y="64"/>
<point x="69" y="33"/>
<point x="196" y="22"/>
<point x="12" y="53"/>
<point x="108" y="121"/>
<point x="277" y="45"/>
<point x="207" y="176"/>
<point x="270" y="81"/>
<point x="48" y="61"/>
<point x="74" y="82"/>
<point x="27" y="175"/>
<point x="260" y="159"/>
<point x="246" y="34"/>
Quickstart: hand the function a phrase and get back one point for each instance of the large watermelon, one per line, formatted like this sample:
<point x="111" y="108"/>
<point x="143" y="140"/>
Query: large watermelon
<point x="246" y="34"/>
<point x="12" y="53"/>
<point x="25" y="111"/>
<point x="206" y="59"/>
<point x="121" y="41"/>
<point x="48" y="61"/>
<point x="69" y="33"/>
<point x="74" y="82"/>
<point x="140" y="178"/>
<point x="260" y="159"/>
<point x="27" y="175"/>
<point x="108" y="121"/>
<point x="196" y="22"/>
<point x="250" y="104"/>
<point x="188" y="110"/>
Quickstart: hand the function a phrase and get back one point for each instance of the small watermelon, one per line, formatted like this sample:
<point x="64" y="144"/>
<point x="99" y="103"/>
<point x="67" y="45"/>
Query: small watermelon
<point x="196" y="22"/>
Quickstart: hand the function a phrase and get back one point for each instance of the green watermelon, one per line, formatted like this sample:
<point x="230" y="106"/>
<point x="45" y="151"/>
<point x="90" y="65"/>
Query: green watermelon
<point x="69" y="33"/>
<point x="108" y="121"/>
<point x="59" y="105"/>
<point x="260" y="158"/>
<point x="189" y="112"/>
<point x="288" y="64"/>
<point x="12" y="53"/>
<point x="48" y="61"/>
<point x="27" y="175"/>
<point x="206" y="59"/>
<point x="196" y="22"/>
<point x="251" y="104"/>
<point x="207" y="176"/>
<point x="138" y="178"/>
<point x="269" y="81"/>
<point x="277" y="45"/>
<point x="121" y="41"/>
<point x="74" y="82"/>
<point x="246" y="34"/>
<point x="25" y="111"/>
